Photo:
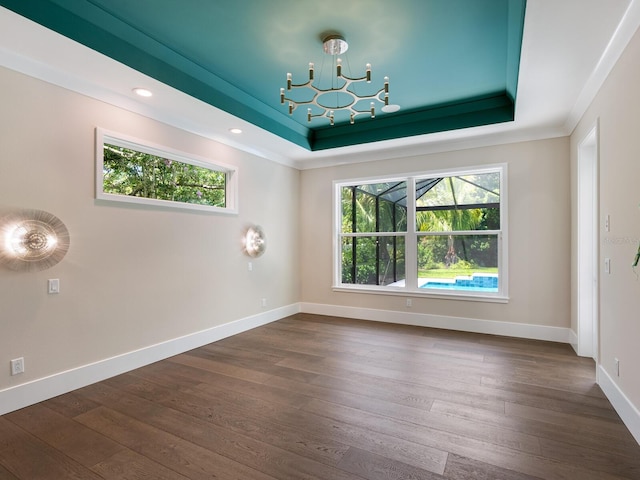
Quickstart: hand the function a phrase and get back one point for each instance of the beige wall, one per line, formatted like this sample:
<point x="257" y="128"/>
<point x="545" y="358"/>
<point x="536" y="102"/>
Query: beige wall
<point x="616" y="108"/>
<point x="133" y="276"/>
<point x="539" y="233"/>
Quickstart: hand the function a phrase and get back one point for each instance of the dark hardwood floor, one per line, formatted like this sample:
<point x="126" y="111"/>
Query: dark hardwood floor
<point x="313" y="397"/>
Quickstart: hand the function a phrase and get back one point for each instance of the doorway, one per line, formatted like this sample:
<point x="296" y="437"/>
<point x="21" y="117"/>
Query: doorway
<point x="587" y="255"/>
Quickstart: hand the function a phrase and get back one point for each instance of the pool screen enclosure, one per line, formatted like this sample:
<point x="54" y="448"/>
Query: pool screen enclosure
<point x="457" y="226"/>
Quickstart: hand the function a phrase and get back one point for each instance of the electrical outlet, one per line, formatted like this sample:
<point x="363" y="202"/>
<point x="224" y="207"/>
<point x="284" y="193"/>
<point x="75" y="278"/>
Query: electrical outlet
<point x="607" y="265"/>
<point x="263" y="302"/>
<point x="409" y="303"/>
<point x="617" y="364"/>
<point x="17" y="366"/>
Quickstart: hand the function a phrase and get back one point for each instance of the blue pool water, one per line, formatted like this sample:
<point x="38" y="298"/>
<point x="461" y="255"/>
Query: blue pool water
<point x="474" y="283"/>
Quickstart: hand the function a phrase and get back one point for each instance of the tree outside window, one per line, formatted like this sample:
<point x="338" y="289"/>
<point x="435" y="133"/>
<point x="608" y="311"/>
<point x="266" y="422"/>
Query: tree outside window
<point x="138" y="174"/>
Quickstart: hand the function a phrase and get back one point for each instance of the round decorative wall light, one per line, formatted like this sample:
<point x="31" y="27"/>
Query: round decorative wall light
<point x="255" y="242"/>
<point x="32" y="240"/>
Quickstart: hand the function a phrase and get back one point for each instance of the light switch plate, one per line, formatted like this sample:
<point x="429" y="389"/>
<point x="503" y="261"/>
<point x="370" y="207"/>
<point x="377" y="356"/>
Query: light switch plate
<point x="54" y="285"/>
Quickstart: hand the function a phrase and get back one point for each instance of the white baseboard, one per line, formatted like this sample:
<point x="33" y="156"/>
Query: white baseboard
<point x="26" y="394"/>
<point x="629" y="414"/>
<point x="474" y="325"/>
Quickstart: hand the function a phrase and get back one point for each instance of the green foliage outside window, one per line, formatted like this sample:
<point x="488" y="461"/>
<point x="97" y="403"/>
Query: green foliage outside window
<point x="453" y="204"/>
<point x="137" y="174"/>
<point x="457" y="229"/>
<point x="390" y="268"/>
<point x="372" y="208"/>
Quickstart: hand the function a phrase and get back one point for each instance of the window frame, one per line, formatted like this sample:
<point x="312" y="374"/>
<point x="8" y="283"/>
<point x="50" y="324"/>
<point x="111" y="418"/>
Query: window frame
<point x="104" y="136"/>
<point x="411" y="236"/>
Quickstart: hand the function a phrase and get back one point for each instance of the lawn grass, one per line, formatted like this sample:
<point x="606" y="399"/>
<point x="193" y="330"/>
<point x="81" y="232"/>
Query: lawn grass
<point x="453" y="272"/>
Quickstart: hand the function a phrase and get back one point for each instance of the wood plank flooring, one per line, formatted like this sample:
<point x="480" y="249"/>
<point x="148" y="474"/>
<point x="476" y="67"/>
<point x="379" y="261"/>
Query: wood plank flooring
<point x="314" y="397"/>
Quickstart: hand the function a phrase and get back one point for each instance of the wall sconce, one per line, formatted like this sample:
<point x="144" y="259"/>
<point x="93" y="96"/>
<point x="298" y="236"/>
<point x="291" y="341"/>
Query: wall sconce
<point x="32" y="240"/>
<point x="254" y="241"/>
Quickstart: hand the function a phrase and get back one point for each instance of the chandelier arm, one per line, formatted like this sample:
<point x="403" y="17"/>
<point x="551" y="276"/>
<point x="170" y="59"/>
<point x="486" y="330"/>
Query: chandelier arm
<point x="329" y="90"/>
<point x="350" y="79"/>
<point x="308" y="83"/>
<point x="297" y="104"/>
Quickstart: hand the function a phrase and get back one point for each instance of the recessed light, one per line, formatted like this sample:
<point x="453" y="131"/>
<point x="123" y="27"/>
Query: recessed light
<point x="143" y="92"/>
<point x="235" y="130"/>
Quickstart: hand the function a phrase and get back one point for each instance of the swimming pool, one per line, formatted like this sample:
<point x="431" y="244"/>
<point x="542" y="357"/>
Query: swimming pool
<point x="478" y="282"/>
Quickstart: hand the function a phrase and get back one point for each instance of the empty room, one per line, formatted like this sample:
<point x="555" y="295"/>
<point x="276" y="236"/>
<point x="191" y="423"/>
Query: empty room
<point x="285" y="239"/>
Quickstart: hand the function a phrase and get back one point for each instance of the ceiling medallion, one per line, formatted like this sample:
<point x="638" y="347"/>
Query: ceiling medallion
<point x="338" y="93"/>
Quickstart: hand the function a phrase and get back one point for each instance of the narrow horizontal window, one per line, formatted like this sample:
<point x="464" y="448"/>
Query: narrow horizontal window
<point x="133" y="171"/>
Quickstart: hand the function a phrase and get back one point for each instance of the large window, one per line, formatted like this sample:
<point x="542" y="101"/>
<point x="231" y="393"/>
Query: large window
<point x="441" y="234"/>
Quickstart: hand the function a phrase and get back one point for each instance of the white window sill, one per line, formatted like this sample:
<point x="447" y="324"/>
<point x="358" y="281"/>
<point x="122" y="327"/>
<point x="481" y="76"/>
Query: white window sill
<point x="425" y="293"/>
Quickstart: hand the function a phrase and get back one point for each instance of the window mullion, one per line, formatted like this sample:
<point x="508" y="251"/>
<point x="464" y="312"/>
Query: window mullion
<point x="354" y="229"/>
<point x="411" y="240"/>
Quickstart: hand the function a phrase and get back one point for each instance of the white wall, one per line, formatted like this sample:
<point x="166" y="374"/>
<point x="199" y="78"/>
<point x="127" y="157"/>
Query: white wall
<point x="133" y="276"/>
<point x="539" y="235"/>
<point x="616" y="108"/>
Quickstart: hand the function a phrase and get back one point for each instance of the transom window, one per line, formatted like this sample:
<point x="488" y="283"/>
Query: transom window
<point x="136" y="171"/>
<point x="436" y="233"/>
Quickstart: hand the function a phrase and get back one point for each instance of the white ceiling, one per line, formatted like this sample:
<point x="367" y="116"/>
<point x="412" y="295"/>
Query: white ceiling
<point x="568" y="49"/>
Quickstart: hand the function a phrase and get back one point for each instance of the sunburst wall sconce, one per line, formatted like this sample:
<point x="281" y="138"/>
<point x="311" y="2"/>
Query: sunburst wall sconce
<point x="254" y="241"/>
<point x="325" y="98"/>
<point x="32" y="240"/>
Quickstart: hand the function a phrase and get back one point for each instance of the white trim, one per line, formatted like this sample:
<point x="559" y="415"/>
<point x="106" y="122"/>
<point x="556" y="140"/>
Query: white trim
<point x="20" y="396"/>
<point x="623" y="34"/>
<point x="474" y="325"/>
<point x="427" y="293"/>
<point x="588" y="241"/>
<point x="628" y="412"/>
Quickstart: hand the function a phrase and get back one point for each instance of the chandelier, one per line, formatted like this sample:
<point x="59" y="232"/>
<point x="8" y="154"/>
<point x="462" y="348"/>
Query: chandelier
<point x="343" y="94"/>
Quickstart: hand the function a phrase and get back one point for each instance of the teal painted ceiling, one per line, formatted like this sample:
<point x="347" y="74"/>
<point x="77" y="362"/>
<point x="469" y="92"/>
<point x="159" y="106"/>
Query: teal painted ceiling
<point x="451" y="63"/>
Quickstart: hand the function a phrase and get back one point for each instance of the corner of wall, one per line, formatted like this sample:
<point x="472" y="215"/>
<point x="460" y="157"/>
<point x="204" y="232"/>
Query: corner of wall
<point x="573" y="340"/>
<point x="621" y="403"/>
